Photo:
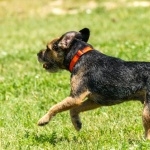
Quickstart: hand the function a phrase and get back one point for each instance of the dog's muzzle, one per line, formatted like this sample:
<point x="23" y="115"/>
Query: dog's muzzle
<point x="42" y="59"/>
<point x="40" y="55"/>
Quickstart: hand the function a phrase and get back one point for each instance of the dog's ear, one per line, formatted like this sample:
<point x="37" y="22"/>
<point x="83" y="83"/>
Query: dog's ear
<point x="66" y="39"/>
<point x="85" y="32"/>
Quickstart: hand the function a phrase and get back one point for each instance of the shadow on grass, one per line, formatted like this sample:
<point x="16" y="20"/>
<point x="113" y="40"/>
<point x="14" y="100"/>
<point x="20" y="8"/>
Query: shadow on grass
<point x="52" y="139"/>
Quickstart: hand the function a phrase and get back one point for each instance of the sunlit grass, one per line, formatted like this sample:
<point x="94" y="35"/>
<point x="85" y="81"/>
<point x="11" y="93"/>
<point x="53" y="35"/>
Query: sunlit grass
<point x="27" y="91"/>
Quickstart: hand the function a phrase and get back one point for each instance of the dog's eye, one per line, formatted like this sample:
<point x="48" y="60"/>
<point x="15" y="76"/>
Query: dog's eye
<point x="47" y="48"/>
<point x="55" y="47"/>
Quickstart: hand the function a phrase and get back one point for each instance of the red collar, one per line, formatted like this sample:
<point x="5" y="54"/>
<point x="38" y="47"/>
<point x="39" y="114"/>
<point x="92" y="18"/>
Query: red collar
<point x="77" y="56"/>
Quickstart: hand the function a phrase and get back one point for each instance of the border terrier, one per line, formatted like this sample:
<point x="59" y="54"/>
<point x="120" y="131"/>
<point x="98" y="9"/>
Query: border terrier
<point x="96" y="79"/>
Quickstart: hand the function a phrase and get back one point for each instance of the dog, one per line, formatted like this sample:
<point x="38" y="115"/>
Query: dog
<point x="96" y="79"/>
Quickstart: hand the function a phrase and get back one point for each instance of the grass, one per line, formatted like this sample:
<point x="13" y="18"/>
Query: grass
<point x="27" y="91"/>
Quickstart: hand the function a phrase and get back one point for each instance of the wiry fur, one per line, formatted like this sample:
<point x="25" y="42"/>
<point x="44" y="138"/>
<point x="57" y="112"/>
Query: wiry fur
<point x="98" y="79"/>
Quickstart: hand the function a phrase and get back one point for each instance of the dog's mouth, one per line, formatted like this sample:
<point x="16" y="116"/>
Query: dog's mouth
<point x="44" y="61"/>
<point x="46" y="65"/>
<point x="49" y="65"/>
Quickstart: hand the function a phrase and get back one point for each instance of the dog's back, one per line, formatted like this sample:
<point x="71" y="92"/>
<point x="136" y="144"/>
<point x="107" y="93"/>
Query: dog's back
<point x="116" y="80"/>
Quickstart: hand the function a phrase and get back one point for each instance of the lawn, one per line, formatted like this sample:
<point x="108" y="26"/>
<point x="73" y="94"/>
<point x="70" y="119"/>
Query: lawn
<point x="27" y="91"/>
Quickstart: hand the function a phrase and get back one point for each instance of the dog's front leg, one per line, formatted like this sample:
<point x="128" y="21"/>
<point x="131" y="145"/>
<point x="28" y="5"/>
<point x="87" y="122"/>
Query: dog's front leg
<point x="66" y="104"/>
<point x="85" y="106"/>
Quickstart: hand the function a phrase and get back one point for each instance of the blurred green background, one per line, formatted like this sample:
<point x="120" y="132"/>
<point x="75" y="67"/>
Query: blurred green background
<point x="119" y="28"/>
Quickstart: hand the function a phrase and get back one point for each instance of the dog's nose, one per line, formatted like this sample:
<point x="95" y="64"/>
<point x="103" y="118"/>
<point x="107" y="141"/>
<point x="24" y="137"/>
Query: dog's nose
<point x="39" y="54"/>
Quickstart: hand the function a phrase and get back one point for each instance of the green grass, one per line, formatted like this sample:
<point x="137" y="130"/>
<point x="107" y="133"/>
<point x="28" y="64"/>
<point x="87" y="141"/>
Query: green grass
<point x="27" y="91"/>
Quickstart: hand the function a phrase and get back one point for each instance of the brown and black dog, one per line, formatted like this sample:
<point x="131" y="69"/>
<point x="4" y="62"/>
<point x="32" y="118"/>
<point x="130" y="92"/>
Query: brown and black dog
<point x="96" y="79"/>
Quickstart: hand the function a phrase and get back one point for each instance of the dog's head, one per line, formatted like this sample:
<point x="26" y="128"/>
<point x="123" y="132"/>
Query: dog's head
<point x="53" y="56"/>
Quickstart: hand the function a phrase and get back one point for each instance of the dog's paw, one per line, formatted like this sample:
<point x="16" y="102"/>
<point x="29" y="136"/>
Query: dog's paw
<point x="75" y="119"/>
<point x="78" y="125"/>
<point x="44" y="120"/>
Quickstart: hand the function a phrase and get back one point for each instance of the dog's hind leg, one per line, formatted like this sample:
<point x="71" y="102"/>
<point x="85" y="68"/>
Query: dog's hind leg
<point x="146" y="117"/>
<point x="85" y="106"/>
<point x="146" y="121"/>
<point x="146" y="112"/>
